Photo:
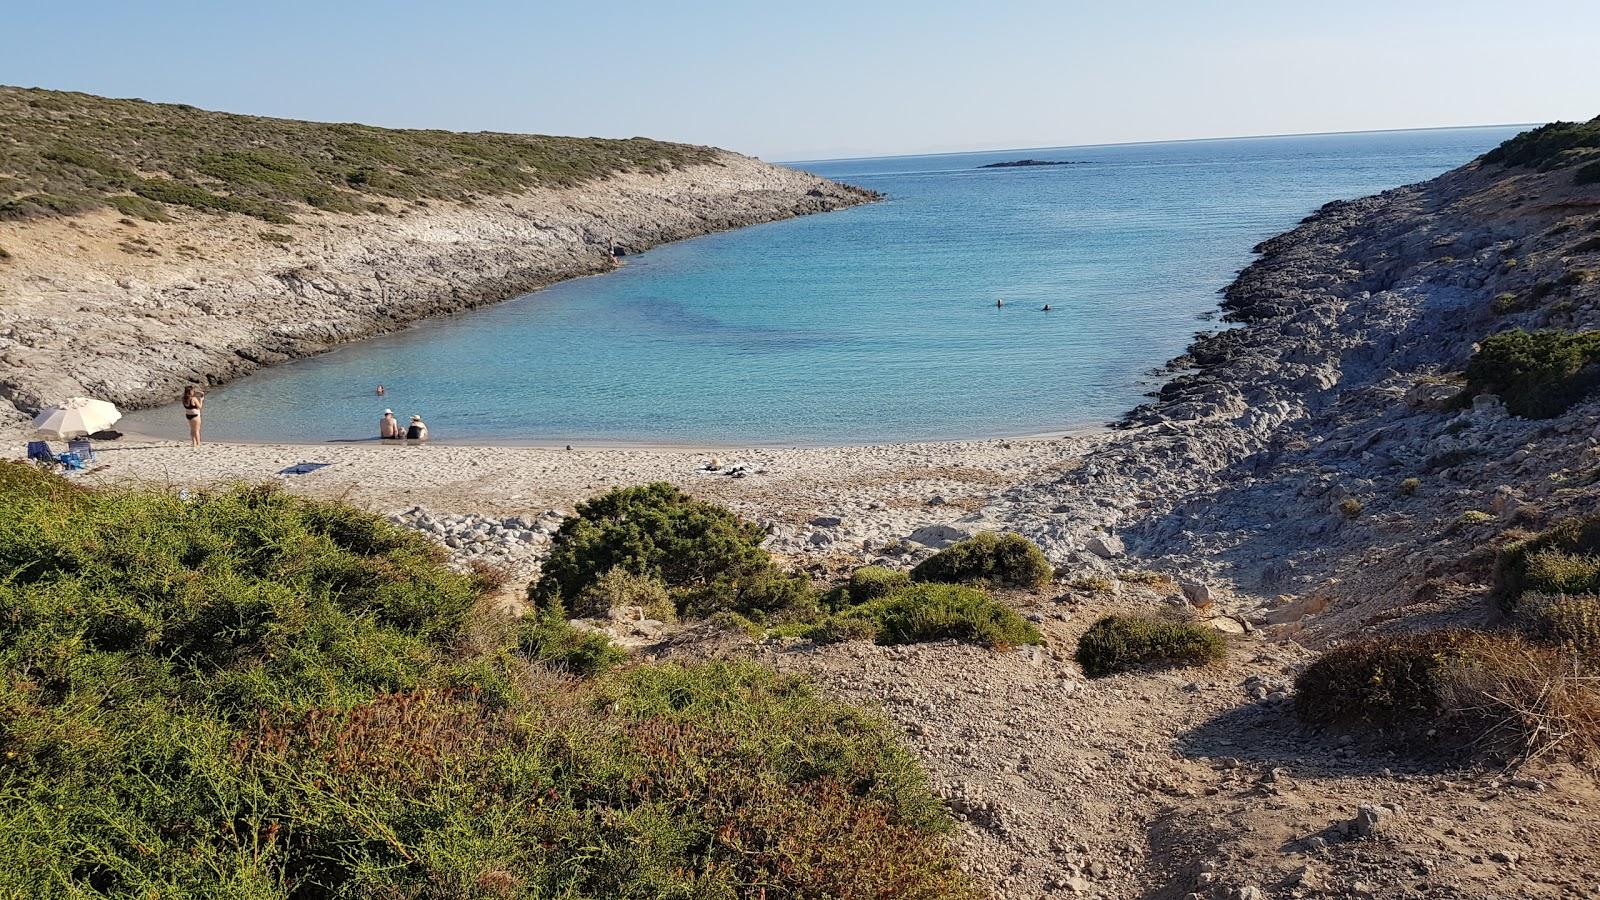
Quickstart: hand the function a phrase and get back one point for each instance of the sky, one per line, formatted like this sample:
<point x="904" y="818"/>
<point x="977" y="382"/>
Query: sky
<point x="825" y="79"/>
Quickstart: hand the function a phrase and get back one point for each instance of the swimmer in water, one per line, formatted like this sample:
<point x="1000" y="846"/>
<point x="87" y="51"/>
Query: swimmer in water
<point x="1046" y="308"/>
<point x="999" y="303"/>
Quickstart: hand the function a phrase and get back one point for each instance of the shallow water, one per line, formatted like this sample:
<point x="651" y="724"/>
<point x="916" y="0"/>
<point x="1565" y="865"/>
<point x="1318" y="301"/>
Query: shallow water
<point x="872" y="324"/>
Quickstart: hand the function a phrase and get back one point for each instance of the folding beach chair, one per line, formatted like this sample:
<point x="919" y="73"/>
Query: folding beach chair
<point x="39" y="452"/>
<point x="83" y="448"/>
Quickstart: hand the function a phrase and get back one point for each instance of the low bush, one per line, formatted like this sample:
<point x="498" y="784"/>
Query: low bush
<point x="619" y="588"/>
<point x="1379" y="681"/>
<point x="139" y="207"/>
<point x="1493" y="693"/>
<point x="998" y="560"/>
<point x="1571" y="622"/>
<point x="923" y="612"/>
<point x="1350" y="507"/>
<point x="935" y="612"/>
<point x="1564" y="559"/>
<point x="1408" y="487"/>
<point x="708" y="559"/>
<point x="1119" y="643"/>
<point x="871" y="582"/>
<point x="249" y="694"/>
<point x="1094" y="584"/>
<point x="1538" y="374"/>
<point x="1588" y="173"/>
<point x="1506" y="303"/>
<point x="1548" y="145"/>
<point x="547" y="638"/>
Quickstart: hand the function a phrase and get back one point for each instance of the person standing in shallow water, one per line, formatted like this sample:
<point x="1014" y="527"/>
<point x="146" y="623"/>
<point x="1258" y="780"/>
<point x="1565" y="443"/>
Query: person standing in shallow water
<point x="193" y="400"/>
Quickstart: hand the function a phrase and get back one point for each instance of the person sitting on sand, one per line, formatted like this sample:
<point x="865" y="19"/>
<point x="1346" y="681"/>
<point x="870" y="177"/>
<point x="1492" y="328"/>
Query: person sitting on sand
<point x="388" y="426"/>
<point x="193" y="400"/>
<point x="418" y="430"/>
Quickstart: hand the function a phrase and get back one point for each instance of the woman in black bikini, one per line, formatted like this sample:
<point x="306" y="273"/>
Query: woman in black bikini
<point x="193" y="399"/>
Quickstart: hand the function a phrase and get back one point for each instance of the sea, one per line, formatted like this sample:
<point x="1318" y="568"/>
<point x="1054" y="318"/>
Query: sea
<point x="918" y="318"/>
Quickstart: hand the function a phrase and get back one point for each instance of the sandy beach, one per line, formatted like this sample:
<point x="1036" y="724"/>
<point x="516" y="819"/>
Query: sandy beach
<point x="879" y="487"/>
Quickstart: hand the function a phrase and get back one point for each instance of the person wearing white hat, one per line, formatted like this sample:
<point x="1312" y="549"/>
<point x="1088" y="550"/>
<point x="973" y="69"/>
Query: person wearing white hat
<point x="418" y="430"/>
<point x="388" y="427"/>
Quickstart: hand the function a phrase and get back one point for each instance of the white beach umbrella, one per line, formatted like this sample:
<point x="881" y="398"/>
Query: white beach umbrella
<point x="74" y="417"/>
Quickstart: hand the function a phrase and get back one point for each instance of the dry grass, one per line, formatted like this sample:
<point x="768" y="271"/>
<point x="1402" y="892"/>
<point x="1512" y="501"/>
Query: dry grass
<point x="1525" y="701"/>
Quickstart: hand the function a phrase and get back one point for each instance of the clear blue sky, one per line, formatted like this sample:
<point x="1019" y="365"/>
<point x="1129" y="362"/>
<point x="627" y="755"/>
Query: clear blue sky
<point x="829" y="78"/>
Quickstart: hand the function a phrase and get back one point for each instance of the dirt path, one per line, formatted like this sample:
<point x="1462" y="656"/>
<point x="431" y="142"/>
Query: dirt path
<point x="1191" y="782"/>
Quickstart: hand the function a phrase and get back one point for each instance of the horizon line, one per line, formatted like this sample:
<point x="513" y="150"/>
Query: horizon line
<point x="1230" y="137"/>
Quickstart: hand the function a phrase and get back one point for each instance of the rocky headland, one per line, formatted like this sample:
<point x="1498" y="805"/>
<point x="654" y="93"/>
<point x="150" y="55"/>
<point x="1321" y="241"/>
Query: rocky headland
<point x="207" y="287"/>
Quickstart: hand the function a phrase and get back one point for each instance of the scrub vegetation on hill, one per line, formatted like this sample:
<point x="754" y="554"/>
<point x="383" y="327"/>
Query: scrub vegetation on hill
<point x="1552" y="146"/>
<point x="248" y="694"/>
<point x="67" y="153"/>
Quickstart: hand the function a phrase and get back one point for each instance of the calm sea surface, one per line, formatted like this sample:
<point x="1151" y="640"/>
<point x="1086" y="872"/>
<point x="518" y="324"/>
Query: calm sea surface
<point x="873" y="324"/>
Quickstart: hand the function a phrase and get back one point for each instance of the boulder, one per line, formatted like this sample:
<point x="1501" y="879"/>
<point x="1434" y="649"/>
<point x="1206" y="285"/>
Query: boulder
<point x="938" y="536"/>
<point x="1198" y="593"/>
<point x="1105" y="546"/>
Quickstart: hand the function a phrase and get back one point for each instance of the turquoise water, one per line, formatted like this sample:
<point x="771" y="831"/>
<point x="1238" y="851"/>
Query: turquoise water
<point x="872" y="324"/>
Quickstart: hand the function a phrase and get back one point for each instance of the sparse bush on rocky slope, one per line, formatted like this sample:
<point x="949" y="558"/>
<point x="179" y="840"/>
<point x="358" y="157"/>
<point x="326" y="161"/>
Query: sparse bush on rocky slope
<point x="1538" y="374"/>
<point x="1495" y="693"/>
<point x="998" y="560"/>
<point x="1570" y="622"/>
<point x="1120" y="643"/>
<point x="1564" y="559"/>
<point x="250" y="694"/>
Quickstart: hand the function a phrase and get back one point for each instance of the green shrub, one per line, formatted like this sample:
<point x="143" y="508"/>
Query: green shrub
<point x="277" y="237"/>
<point x="1350" y="507"/>
<point x="1506" y="303"/>
<point x="250" y="694"/>
<point x="1588" y="173"/>
<point x="1381" y="681"/>
<point x="1408" y="487"/>
<point x="1538" y="374"/>
<point x="139" y="207"/>
<point x="937" y="612"/>
<point x="709" y="559"/>
<point x="620" y="588"/>
<point x="1475" y="517"/>
<point x="871" y="582"/>
<point x="1119" y="643"/>
<point x="998" y="560"/>
<point x="1565" y="559"/>
<point x="547" y="638"/>
<point x="1571" y="622"/>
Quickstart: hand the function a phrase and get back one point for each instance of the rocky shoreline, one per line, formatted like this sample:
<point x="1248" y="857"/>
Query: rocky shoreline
<point x="132" y="311"/>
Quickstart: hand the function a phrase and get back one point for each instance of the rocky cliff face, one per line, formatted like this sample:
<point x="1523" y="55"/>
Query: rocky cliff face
<point x="132" y="311"/>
